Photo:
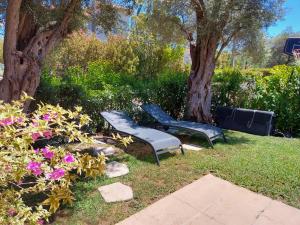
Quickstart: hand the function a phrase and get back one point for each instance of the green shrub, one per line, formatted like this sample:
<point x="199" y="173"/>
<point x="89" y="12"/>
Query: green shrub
<point x="156" y="58"/>
<point x="100" y="86"/>
<point x="232" y="88"/>
<point x="276" y="89"/>
<point x="280" y="92"/>
<point x="141" y="56"/>
<point x="79" y="49"/>
<point x="169" y="90"/>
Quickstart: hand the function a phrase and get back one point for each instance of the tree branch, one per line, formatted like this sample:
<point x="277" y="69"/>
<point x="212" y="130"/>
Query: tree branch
<point x="188" y="35"/>
<point x="43" y="42"/>
<point x="11" y="30"/>
<point x="61" y="31"/>
<point x="226" y="42"/>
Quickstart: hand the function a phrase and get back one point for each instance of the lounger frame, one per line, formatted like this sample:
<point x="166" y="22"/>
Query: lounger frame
<point x="203" y="134"/>
<point x="156" y="152"/>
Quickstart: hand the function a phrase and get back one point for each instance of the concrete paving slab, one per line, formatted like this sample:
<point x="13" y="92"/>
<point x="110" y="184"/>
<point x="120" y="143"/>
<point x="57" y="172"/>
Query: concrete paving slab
<point x="116" y="169"/>
<point x="106" y="150"/>
<point x="262" y="220"/>
<point x="167" y="212"/>
<point x="213" y="201"/>
<point x="283" y="214"/>
<point x="116" y="192"/>
<point x="190" y="147"/>
<point x="202" y="219"/>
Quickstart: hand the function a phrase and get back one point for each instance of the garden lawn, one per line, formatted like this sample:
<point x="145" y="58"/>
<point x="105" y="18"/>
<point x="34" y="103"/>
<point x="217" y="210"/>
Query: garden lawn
<point x="267" y="165"/>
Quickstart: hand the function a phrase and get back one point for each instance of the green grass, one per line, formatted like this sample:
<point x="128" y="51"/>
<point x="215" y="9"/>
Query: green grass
<point x="268" y="165"/>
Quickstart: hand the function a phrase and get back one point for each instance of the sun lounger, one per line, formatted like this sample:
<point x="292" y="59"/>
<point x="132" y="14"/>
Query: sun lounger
<point x="159" y="141"/>
<point x="208" y="131"/>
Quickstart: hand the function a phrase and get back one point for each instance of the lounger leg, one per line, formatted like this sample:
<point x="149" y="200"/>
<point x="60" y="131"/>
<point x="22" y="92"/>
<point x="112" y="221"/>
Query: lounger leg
<point x="155" y="156"/>
<point x="109" y="129"/>
<point x="224" y="138"/>
<point x="157" y="159"/>
<point x="181" y="149"/>
<point x="210" y="142"/>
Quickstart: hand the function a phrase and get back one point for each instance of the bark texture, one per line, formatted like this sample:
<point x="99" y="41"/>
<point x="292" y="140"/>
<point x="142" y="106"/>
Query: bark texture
<point x="25" y="48"/>
<point x="199" y="84"/>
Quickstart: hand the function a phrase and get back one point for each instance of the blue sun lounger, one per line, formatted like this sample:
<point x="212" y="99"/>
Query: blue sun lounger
<point x="159" y="141"/>
<point x="210" y="132"/>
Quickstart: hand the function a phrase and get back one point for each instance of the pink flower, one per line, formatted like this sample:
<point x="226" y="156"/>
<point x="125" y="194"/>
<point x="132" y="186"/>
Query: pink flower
<point x="20" y="120"/>
<point x="12" y="212"/>
<point x="35" y="136"/>
<point x="46" y="117"/>
<point x="47" y="134"/>
<point x="8" y="168"/>
<point x="40" y="222"/>
<point x="57" y="174"/>
<point x="54" y="115"/>
<point x="6" y="122"/>
<point x="36" y="151"/>
<point x="69" y="158"/>
<point x="35" y="124"/>
<point x="35" y="168"/>
<point x="47" y="153"/>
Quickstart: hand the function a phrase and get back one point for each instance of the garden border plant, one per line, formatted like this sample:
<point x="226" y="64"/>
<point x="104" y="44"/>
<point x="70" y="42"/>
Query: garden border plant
<point x="45" y="174"/>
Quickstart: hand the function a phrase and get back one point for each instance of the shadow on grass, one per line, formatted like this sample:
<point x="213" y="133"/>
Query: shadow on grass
<point x="198" y="140"/>
<point x="143" y="152"/>
<point x="234" y="139"/>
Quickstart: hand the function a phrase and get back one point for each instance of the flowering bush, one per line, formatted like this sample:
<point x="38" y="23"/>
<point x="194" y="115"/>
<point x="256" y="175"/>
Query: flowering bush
<point x="34" y="182"/>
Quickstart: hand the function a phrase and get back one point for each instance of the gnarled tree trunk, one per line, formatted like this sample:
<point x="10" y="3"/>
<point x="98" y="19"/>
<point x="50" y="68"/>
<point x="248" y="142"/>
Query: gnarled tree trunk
<point x="25" y="48"/>
<point x="199" y="84"/>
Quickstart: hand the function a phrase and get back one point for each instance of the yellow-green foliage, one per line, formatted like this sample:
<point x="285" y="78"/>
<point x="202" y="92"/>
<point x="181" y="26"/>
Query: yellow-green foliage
<point x="119" y="53"/>
<point x="140" y="55"/>
<point x="32" y="178"/>
<point x="79" y="49"/>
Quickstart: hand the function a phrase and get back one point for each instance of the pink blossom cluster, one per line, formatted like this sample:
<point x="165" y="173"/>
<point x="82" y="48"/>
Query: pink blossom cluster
<point x="35" y="167"/>
<point x="10" y="121"/>
<point x="47" y="134"/>
<point x="56" y="174"/>
<point x="49" y="117"/>
<point x="12" y="212"/>
<point x="69" y="158"/>
<point x="47" y="153"/>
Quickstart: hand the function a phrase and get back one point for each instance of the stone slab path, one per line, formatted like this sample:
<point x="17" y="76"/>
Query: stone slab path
<point x="107" y="151"/>
<point x="116" y="192"/>
<point x="190" y="147"/>
<point x="213" y="201"/>
<point x="116" y="169"/>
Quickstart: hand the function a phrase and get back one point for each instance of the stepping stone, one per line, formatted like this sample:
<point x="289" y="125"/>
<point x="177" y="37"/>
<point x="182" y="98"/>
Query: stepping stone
<point x="116" y="169"/>
<point x="107" y="151"/>
<point x="191" y="147"/>
<point x="116" y="192"/>
<point x="99" y="142"/>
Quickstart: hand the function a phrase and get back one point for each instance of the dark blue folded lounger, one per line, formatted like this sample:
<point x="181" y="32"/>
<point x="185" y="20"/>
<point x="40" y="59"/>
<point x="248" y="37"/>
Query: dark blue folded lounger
<point x="208" y="131"/>
<point x="159" y="141"/>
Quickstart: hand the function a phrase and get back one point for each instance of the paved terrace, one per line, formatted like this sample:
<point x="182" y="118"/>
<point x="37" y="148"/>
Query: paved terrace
<point x="213" y="201"/>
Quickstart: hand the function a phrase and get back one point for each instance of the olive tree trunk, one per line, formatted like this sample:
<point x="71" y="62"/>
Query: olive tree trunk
<point x="25" y="48"/>
<point x="199" y="83"/>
